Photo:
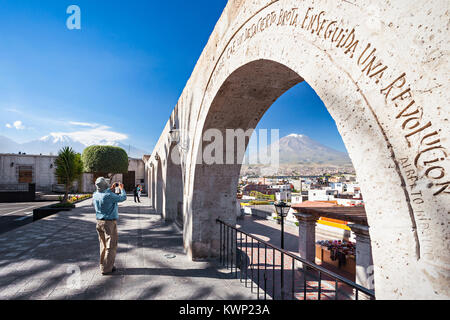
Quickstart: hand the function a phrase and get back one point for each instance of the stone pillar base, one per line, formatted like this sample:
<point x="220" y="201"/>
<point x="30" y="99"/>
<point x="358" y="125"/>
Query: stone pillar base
<point x="307" y="236"/>
<point x="201" y="251"/>
<point x="364" y="262"/>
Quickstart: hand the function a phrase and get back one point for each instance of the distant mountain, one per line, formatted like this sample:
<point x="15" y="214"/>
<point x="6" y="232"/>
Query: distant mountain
<point x="6" y="144"/>
<point x="301" y="149"/>
<point x="51" y="144"/>
<point x="298" y="148"/>
<point x="294" y="149"/>
<point x="301" y="155"/>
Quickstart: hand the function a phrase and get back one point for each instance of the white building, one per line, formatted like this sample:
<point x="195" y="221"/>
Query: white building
<point x="322" y="195"/>
<point x="339" y="186"/>
<point x="306" y="186"/>
<point x="280" y="187"/>
<point x="352" y="188"/>
<point x="296" y="198"/>
<point x="24" y="168"/>
<point x="347" y="188"/>
<point x="40" y="170"/>
<point x="283" y="196"/>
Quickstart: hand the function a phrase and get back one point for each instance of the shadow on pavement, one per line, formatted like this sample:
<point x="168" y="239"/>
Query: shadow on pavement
<point x="42" y="260"/>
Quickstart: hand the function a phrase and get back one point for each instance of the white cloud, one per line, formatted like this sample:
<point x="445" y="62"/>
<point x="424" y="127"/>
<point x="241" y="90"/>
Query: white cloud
<point x="13" y="110"/>
<point x="98" y="135"/>
<point x="84" y="124"/>
<point x="17" y="124"/>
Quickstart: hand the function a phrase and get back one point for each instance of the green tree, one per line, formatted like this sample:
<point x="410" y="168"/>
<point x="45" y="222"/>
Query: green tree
<point x="105" y="160"/>
<point x="68" y="168"/>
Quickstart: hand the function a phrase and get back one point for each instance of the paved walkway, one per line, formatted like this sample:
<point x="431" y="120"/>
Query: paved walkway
<point x="14" y="215"/>
<point x="57" y="258"/>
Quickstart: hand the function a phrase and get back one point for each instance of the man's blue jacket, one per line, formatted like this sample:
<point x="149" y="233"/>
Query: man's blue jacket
<point x="106" y="204"/>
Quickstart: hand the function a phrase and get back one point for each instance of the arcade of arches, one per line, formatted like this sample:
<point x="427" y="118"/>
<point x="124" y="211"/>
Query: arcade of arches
<point x="381" y="71"/>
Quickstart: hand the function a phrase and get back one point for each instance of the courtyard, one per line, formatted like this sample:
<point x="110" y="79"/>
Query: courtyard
<point x="57" y="258"/>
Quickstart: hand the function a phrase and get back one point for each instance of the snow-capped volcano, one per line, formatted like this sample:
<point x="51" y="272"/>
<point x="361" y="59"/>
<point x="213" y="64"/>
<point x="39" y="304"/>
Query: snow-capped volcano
<point x="98" y="135"/>
<point x="295" y="135"/>
<point x="301" y="149"/>
<point x="54" y="138"/>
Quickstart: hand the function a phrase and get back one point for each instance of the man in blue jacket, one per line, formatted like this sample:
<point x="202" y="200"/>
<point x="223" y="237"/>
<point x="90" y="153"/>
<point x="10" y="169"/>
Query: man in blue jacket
<point x="107" y="212"/>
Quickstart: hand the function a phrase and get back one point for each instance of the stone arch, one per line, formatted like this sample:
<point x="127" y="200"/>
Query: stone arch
<point x="253" y="88"/>
<point x="386" y="105"/>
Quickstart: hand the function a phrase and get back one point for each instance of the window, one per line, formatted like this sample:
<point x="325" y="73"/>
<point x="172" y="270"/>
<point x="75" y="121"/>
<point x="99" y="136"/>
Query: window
<point x="25" y="174"/>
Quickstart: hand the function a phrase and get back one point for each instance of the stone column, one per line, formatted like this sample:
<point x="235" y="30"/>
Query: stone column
<point x="153" y="186"/>
<point x="147" y="179"/>
<point x="364" y="262"/>
<point x="307" y="236"/>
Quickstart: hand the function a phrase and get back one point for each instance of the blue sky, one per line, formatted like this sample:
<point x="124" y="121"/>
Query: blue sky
<point x="120" y="75"/>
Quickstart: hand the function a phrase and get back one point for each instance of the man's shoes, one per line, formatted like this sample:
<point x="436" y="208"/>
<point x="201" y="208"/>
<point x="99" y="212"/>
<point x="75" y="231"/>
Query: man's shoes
<point x="114" y="269"/>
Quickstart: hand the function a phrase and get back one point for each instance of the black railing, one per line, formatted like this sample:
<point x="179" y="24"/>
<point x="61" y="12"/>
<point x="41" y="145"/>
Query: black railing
<point x="14" y="187"/>
<point x="286" y="280"/>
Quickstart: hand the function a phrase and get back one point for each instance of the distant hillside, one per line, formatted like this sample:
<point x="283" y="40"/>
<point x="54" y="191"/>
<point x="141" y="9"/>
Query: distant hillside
<point x="52" y="144"/>
<point x="298" y="148"/>
<point x="7" y="144"/>
<point x="299" y="154"/>
<point x="301" y="149"/>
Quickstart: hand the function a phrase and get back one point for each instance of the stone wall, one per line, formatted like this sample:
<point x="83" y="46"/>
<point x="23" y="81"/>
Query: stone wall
<point x="43" y="173"/>
<point x="138" y="166"/>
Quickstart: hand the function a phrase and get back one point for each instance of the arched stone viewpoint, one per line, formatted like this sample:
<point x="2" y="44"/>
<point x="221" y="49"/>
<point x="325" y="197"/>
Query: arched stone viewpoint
<point x="382" y="72"/>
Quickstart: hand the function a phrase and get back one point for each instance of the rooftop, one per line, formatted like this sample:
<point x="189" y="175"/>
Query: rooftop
<point x="331" y="210"/>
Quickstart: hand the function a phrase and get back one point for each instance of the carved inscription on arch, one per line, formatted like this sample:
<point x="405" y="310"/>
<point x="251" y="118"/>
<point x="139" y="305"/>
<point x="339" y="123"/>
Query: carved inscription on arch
<point x="419" y="134"/>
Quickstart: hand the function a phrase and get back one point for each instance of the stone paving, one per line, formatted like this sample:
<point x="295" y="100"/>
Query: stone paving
<point x="57" y="258"/>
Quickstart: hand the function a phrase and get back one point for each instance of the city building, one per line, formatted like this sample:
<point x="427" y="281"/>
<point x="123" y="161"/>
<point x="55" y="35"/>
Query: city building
<point x="297" y="183"/>
<point x="280" y="187"/>
<point x="16" y="169"/>
<point x="25" y="168"/>
<point x="262" y="188"/>
<point x="322" y="195"/>
<point x="296" y="198"/>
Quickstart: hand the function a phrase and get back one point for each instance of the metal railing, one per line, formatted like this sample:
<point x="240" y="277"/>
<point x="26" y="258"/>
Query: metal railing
<point x="241" y="250"/>
<point x="14" y="187"/>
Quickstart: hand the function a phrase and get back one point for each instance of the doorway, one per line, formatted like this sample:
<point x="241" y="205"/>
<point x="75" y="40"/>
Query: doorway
<point x="129" y="180"/>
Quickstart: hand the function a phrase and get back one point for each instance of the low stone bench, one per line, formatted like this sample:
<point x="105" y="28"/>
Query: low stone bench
<point x="46" y="211"/>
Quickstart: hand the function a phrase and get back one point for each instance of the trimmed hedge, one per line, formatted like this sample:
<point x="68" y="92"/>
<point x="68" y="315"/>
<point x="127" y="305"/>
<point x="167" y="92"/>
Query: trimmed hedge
<point x="105" y="159"/>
